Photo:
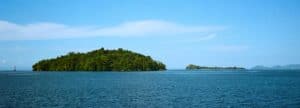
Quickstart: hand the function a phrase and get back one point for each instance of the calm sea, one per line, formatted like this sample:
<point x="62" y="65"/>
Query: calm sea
<point x="168" y="89"/>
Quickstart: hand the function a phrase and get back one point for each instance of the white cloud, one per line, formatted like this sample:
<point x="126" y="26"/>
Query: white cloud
<point x="194" y="38"/>
<point x="229" y="48"/>
<point x="144" y="28"/>
<point x="203" y="37"/>
<point x="3" y="61"/>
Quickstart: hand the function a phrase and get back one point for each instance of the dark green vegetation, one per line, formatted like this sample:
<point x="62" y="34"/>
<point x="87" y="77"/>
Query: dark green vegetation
<point x="193" y="67"/>
<point x="100" y="60"/>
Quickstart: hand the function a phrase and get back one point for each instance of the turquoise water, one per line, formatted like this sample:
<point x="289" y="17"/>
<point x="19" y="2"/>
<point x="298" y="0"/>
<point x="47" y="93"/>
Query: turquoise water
<point x="179" y="89"/>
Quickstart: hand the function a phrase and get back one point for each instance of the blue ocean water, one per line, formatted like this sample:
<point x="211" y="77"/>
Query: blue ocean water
<point x="168" y="89"/>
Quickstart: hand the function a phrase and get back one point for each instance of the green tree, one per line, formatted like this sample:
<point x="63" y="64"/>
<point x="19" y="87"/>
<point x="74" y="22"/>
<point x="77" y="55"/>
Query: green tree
<point x="100" y="60"/>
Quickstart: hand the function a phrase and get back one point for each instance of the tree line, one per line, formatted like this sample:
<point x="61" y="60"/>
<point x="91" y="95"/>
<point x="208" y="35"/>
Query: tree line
<point x="193" y="67"/>
<point x="100" y="60"/>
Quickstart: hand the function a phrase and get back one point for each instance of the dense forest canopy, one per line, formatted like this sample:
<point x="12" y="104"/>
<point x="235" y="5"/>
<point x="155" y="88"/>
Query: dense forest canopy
<point x="100" y="60"/>
<point x="193" y="67"/>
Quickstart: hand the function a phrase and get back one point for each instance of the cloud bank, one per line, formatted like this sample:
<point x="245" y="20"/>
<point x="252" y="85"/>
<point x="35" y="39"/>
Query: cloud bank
<point x="143" y="28"/>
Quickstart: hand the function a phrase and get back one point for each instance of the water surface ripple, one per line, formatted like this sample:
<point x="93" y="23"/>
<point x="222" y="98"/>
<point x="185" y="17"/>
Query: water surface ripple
<point x="169" y="89"/>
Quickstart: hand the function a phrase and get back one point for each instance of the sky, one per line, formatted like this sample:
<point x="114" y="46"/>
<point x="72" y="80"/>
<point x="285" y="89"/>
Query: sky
<point x="176" y="32"/>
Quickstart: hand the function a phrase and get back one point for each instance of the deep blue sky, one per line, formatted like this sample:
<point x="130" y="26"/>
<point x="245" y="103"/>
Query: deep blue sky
<point x="176" y="32"/>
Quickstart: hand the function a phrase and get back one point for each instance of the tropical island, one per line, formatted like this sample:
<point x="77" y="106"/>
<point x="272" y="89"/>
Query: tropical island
<point x="100" y="60"/>
<point x="196" y="67"/>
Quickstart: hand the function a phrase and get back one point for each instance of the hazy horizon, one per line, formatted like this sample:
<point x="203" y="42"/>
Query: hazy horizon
<point x="177" y="33"/>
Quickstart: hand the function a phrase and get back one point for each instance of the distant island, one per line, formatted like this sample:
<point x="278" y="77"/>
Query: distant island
<point x="278" y="67"/>
<point x="100" y="60"/>
<point x="196" y="67"/>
